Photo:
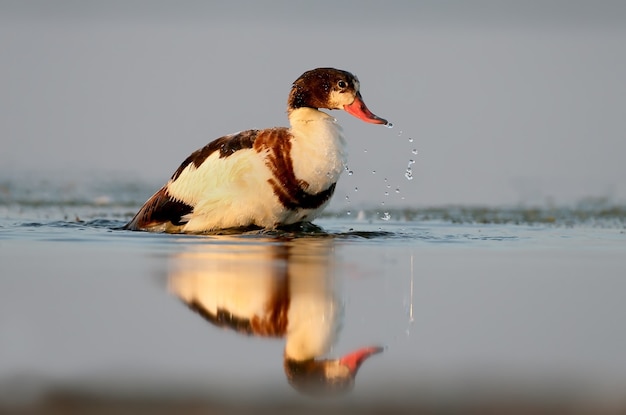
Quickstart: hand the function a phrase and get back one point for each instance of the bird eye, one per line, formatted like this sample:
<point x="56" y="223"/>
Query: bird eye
<point x="342" y="84"/>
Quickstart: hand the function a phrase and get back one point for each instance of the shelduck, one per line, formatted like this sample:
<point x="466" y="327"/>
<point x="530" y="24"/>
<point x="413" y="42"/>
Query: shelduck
<point x="263" y="178"/>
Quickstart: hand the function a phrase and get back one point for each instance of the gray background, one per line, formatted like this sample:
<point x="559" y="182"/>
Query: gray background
<point x="506" y="102"/>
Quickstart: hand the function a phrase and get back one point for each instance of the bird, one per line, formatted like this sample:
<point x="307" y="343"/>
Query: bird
<point x="274" y="289"/>
<point x="266" y="178"/>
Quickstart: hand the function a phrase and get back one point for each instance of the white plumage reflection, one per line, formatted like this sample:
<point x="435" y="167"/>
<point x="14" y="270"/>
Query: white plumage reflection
<point x="276" y="288"/>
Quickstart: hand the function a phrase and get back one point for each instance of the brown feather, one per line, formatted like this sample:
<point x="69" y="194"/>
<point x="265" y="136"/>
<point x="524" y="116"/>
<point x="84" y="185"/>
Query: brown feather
<point x="159" y="209"/>
<point x="290" y="191"/>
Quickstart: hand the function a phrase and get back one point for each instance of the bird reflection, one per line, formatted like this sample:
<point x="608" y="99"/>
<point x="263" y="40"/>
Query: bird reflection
<point x="274" y="288"/>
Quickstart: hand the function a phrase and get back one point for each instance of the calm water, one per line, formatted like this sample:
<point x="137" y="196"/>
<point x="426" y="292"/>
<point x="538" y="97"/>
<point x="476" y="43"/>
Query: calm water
<point x="472" y="306"/>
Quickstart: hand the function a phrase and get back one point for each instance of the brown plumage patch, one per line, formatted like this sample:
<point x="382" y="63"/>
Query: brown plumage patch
<point x="160" y="208"/>
<point x="226" y="145"/>
<point x="290" y="191"/>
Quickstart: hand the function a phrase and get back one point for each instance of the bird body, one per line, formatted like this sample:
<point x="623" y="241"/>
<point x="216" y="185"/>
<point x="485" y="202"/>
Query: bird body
<point x="265" y="178"/>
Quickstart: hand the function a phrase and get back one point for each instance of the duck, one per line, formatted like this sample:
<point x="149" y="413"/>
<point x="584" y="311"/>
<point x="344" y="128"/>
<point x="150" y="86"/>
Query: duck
<point x="266" y="178"/>
<point x="281" y="289"/>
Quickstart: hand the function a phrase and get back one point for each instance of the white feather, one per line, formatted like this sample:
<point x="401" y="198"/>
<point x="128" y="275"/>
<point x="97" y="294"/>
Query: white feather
<point x="234" y="191"/>
<point x="318" y="148"/>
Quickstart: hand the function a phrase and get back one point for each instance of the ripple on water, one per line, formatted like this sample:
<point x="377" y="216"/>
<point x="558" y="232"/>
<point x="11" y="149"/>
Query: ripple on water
<point x="429" y="225"/>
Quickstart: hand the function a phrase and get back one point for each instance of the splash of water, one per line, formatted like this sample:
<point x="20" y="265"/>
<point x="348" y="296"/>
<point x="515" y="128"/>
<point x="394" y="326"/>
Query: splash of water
<point x="408" y="173"/>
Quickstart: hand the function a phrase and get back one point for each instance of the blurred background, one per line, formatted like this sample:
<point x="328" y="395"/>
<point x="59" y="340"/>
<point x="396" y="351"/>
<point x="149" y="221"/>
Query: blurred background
<point x="496" y="102"/>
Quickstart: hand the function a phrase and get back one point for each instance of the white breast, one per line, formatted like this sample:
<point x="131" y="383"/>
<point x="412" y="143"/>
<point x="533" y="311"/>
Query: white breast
<point x="318" y="148"/>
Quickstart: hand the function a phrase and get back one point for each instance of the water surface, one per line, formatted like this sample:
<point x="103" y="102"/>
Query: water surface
<point x="474" y="307"/>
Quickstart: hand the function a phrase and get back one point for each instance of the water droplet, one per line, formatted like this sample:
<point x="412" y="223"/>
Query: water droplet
<point x="347" y="198"/>
<point x="348" y="213"/>
<point x="397" y="190"/>
<point x="411" y="161"/>
<point x="410" y="139"/>
<point x="356" y="189"/>
<point x="365" y="150"/>
<point x="414" y="151"/>
<point x="389" y="125"/>
<point x="386" y="193"/>
<point x="386" y="216"/>
<point x="350" y="172"/>
<point x="408" y="174"/>
<point x="373" y="171"/>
